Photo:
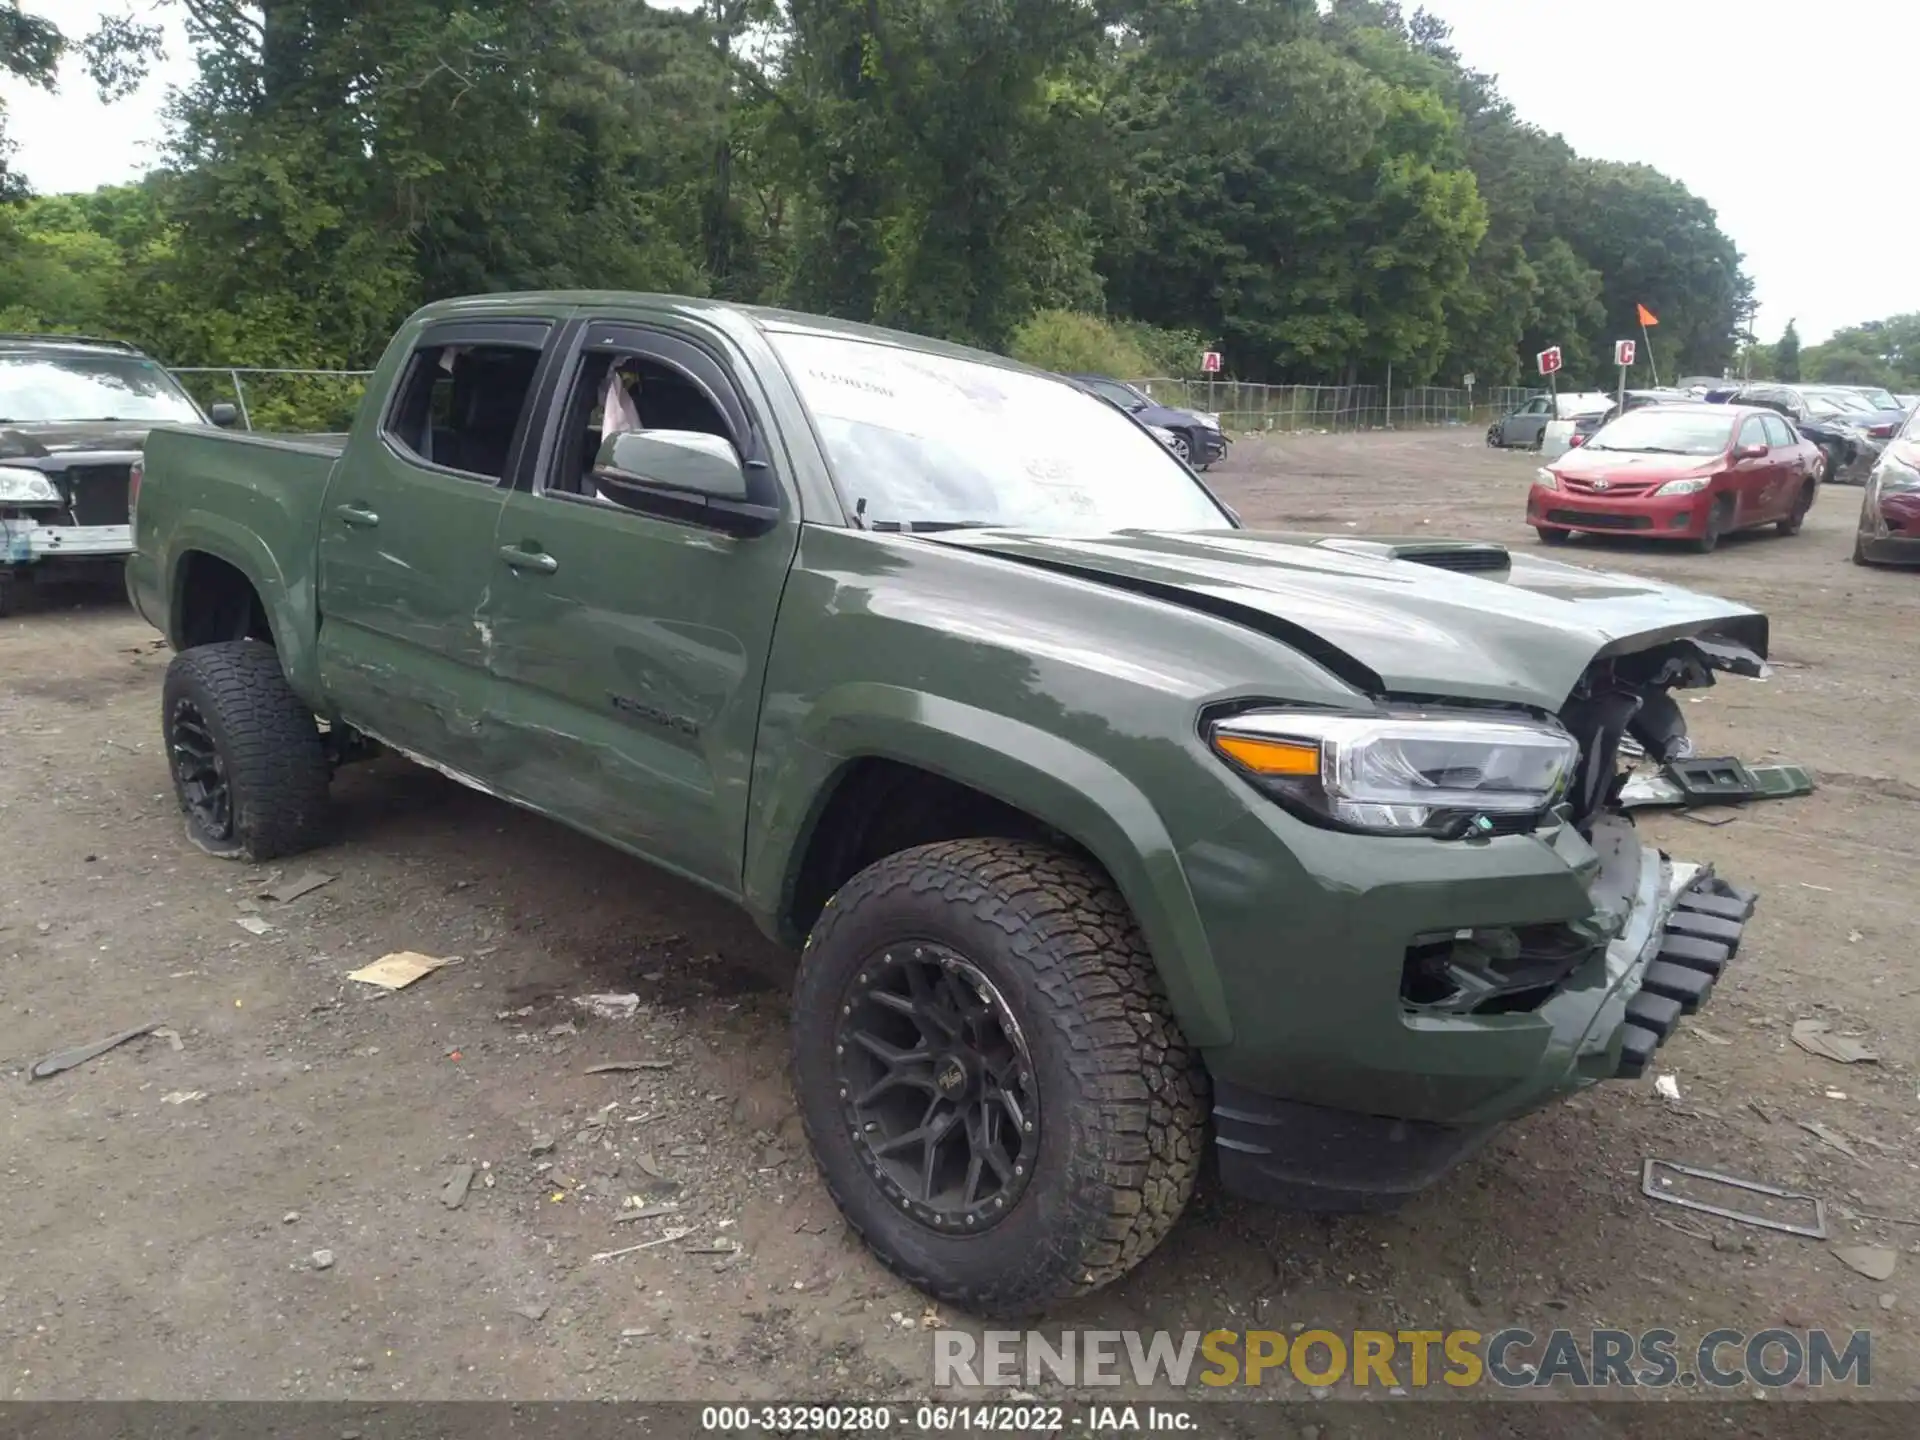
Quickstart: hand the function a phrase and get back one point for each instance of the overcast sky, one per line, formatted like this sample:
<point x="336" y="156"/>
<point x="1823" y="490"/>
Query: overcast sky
<point x="1794" y="123"/>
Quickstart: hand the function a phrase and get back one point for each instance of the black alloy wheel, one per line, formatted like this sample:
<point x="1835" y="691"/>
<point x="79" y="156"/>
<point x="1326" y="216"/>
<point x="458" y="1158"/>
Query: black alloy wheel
<point x="937" y="1087"/>
<point x="200" y="772"/>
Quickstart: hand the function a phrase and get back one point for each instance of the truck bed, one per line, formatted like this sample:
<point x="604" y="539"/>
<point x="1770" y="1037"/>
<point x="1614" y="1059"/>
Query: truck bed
<point x="253" y="500"/>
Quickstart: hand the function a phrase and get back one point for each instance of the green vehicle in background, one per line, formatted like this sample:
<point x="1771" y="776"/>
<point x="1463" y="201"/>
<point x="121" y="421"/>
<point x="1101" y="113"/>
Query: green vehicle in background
<point x="1102" y="824"/>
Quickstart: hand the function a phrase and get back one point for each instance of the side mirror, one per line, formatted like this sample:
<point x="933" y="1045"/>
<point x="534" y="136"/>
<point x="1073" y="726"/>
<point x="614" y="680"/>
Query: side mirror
<point x="690" y="461"/>
<point x="1749" y="452"/>
<point x="224" y="415"/>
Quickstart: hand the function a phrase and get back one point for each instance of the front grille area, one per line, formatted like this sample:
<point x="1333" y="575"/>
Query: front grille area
<point x="1588" y="521"/>
<point x="97" y="494"/>
<point x="1499" y="971"/>
<point x="1626" y="489"/>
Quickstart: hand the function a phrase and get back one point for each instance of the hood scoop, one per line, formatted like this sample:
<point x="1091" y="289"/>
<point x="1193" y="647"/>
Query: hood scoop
<point x="1466" y="557"/>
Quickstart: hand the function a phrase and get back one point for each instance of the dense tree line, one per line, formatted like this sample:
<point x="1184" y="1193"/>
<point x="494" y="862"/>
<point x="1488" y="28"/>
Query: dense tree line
<point x="1321" y="194"/>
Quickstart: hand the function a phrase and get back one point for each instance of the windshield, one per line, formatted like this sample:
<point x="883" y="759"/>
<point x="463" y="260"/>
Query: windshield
<point x="46" y="389"/>
<point x="1658" y="431"/>
<point x="928" y="439"/>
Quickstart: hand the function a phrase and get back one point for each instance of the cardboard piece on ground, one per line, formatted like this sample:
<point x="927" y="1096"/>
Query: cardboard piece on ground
<point x="400" y="969"/>
<point x="1816" y="1038"/>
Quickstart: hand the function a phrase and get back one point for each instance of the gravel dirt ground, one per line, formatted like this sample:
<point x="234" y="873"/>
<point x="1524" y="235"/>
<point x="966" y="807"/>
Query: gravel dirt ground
<point x="259" y="1209"/>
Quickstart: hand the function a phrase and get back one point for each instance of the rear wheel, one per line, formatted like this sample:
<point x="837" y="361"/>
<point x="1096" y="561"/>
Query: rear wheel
<point x="997" y="1094"/>
<point x="249" y="770"/>
<point x="1797" y="517"/>
<point x="1709" y="540"/>
<point x="1552" y="537"/>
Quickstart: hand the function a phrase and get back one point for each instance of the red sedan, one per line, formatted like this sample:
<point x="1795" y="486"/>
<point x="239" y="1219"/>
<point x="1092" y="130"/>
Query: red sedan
<point x="1890" y="510"/>
<point x="1680" y="472"/>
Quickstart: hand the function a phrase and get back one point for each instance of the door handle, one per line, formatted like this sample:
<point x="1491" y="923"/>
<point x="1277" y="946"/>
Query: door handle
<point x="519" y="559"/>
<point x="357" y="515"/>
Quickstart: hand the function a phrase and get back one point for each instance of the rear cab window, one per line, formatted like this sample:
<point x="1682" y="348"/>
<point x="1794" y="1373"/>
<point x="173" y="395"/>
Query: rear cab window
<point x="459" y="407"/>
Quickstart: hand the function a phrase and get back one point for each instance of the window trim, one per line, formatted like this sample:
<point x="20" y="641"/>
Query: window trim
<point x="701" y="367"/>
<point x="530" y="333"/>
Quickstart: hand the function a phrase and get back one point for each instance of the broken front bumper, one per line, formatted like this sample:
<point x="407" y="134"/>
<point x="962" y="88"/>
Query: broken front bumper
<point x="25" y="541"/>
<point x="1674" y="928"/>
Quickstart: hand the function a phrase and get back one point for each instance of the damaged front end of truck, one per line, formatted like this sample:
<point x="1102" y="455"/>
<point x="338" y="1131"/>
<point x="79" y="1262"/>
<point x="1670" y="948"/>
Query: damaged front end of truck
<point x="1661" y="931"/>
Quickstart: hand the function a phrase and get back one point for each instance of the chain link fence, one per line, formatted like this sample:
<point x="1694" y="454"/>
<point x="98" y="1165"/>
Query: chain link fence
<point x="1245" y="408"/>
<point x="285" y="401"/>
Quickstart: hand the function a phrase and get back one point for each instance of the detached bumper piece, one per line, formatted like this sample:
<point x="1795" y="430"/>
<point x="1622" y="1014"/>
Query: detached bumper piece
<point x="1700" y="939"/>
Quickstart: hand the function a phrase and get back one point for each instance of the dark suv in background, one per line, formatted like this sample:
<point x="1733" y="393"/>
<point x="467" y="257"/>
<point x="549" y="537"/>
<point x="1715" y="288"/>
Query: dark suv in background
<point x="74" y="413"/>
<point x="1194" y="435"/>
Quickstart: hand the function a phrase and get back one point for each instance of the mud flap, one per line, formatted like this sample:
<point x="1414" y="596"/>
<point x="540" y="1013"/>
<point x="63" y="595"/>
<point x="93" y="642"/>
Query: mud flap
<point x="1700" y="938"/>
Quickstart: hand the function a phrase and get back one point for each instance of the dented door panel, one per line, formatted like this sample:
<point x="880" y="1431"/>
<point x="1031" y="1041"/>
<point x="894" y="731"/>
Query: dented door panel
<point x="629" y="676"/>
<point x="404" y="572"/>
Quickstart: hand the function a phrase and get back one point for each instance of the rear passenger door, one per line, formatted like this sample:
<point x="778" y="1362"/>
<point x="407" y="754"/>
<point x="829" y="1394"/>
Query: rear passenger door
<point x="630" y="645"/>
<point x="406" y="540"/>
<point x="1784" y="450"/>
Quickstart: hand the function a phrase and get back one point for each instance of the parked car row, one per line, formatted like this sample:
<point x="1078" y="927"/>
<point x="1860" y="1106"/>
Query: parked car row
<point x="1694" y="471"/>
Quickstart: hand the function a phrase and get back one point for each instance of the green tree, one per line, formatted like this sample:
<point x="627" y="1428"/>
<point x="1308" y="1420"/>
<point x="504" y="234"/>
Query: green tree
<point x="1786" y="355"/>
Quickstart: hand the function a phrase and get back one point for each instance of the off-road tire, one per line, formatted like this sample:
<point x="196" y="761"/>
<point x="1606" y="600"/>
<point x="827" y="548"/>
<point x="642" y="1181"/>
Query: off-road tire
<point x="1550" y="536"/>
<point x="276" y="767"/>
<point x="1122" y="1100"/>
<point x="1716" y="530"/>
<point x="1792" y="523"/>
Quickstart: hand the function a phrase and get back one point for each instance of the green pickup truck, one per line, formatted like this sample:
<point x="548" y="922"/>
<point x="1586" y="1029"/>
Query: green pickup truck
<point x="1101" y="823"/>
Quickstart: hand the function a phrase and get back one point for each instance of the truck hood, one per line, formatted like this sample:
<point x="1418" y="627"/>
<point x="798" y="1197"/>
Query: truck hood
<point x="1401" y="617"/>
<point x="53" y="442"/>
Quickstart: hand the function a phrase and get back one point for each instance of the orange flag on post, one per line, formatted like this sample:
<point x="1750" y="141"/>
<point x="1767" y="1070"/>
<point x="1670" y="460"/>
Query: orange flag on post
<point x="1647" y="317"/>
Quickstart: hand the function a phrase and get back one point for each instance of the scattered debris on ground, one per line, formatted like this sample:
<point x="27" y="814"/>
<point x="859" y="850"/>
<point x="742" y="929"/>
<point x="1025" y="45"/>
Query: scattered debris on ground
<point x="1816" y="1038"/>
<point x="400" y="969"/>
<point x="62" y="1061"/>
<point x="610" y="1006"/>
<point x="304" y="883"/>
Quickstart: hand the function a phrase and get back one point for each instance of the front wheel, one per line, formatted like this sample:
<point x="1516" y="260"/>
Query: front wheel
<point x="1834" y="459"/>
<point x="1181" y="447"/>
<point x="1552" y="537"/>
<point x="997" y="1094"/>
<point x="1709" y="539"/>
<point x="248" y="767"/>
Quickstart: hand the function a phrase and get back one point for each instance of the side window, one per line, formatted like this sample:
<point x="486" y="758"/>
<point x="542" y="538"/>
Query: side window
<point x="1779" y="433"/>
<point x="1539" y="405"/>
<point x="616" y="390"/>
<point x="1753" y="431"/>
<point x="459" y="406"/>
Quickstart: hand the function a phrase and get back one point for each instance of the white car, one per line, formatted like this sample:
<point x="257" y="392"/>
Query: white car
<point x="1557" y="438"/>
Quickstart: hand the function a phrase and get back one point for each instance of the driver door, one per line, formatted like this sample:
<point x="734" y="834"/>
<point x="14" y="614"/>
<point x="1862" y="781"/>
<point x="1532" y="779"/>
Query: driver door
<point x="1528" y="426"/>
<point x="628" y="648"/>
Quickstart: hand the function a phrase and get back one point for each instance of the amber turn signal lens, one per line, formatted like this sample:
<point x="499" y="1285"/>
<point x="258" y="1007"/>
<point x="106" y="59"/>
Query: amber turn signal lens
<point x="1270" y="757"/>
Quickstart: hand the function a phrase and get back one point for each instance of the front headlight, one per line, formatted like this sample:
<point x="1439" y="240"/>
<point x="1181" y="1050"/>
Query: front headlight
<point x="19" y="486"/>
<point x="1682" y="487"/>
<point x="1411" y="774"/>
<point x="1893" y="475"/>
<point x="1208" y="419"/>
<point x="1546" y="479"/>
